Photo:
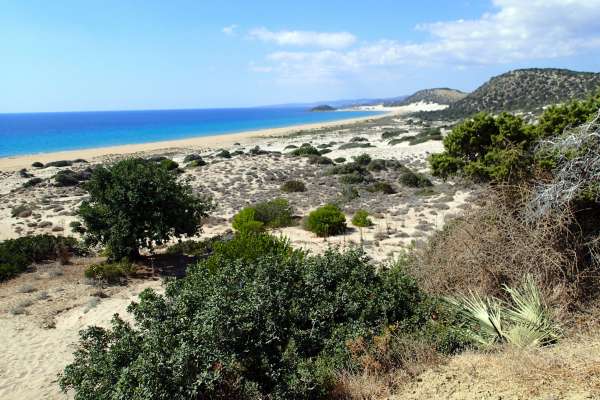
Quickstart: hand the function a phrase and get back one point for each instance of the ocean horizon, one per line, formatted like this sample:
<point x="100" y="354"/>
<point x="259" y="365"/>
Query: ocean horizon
<point x="34" y="133"/>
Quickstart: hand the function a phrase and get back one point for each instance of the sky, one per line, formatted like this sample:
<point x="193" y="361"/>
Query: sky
<point x="77" y="55"/>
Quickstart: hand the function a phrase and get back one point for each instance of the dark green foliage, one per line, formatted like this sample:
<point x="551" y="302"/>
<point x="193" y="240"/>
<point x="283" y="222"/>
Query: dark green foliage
<point x="357" y="139"/>
<point x="555" y="119"/>
<point x="169" y="164"/>
<point x="347" y="168"/>
<point x="354" y="145"/>
<point x="352" y="178"/>
<point x="196" y="163"/>
<point x="275" y="213"/>
<point x="382" y="187"/>
<point x="324" y="151"/>
<point x="37" y="164"/>
<point x="109" y="272"/>
<point x="361" y="219"/>
<point x="339" y="160"/>
<point x="60" y="163"/>
<point x="193" y="247"/>
<point x="272" y="324"/>
<point x="192" y="157"/>
<point x="326" y="221"/>
<point x="17" y="254"/>
<point x="415" y="180"/>
<point x="223" y="154"/>
<point x="136" y="203"/>
<point x="319" y="160"/>
<point x="363" y="159"/>
<point x="305" y="151"/>
<point x="67" y="177"/>
<point x="33" y="182"/>
<point x="257" y="151"/>
<point x="487" y="148"/>
<point x="293" y="186"/>
<point x="392" y="134"/>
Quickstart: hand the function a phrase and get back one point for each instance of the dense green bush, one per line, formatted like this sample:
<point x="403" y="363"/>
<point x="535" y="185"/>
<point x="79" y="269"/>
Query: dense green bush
<point x="33" y="182"/>
<point x="320" y="160"/>
<point x="362" y="159"/>
<point x="382" y="187"/>
<point x="487" y="148"/>
<point x="357" y="139"/>
<point x="68" y="177"/>
<point x="275" y="213"/>
<point x="223" y="154"/>
<point x="354" y="145"/>
<point x="415" y="180"/>
<point x="169" y="164"/>
<point x="339" y="160"/>
<point x="305" y="150"/>
<point x="37" y="164"/>
<point x="352" y="179"/>
<point x="361" y="219"/>
<point x="326" y="221"/>
<point x="109" y="272"/>
<point x="17" y="254"/>
<point x="274" y="325"/>
<point x="293" y="186"/>
<point x="136" y="203"/>
<point x="555" y="119"/>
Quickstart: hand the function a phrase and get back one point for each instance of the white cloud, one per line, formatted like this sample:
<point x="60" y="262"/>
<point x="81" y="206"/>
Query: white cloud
<point x="327" y="40"/>
<point x="229" y="30"/>
<point x="518" y="30"/>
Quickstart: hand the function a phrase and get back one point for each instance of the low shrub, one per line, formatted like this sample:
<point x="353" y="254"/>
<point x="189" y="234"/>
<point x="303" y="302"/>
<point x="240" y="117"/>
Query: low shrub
<point x="363" y="159"/>
<point x="37" y="164"/>
<point x="382" y="187"/>
<point x="415" y="180"/>
<point x="293" y="186"/>
<point x="32" y="182"/>
<point x="59" y="163"/>
<point x="17" y="254"/>
<point x="271" y="325"/>
<point x="68" y="177"/>
<point x="223" y="154"/>
<point x="358" y="139"/>
<point x="109" y="272"/>
<point x="319" y="160"/>
<point x="354" y="145"/>
<point x="305" y="150"/>
<point x="326" y="221"/>
<point x="392" y="134"/>
<point x="339" y="160"/>
<point x="196" y="163"/>
<point x="361" y="219"/>
<point x="352" y="179"/>
<point x="347" y="168"/>
<point x="192" y="157"/>
<point x="193" y="247"/>
<point x="348" y="193"/>
<point x="169" y="164"/>
<point x="325" y="151"/>
<point x="290" y="147"/>
<point x="275" y="213"/>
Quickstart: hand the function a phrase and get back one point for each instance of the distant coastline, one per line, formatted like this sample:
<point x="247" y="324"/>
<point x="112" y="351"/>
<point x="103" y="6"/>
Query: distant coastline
<point x="18" y="161"/>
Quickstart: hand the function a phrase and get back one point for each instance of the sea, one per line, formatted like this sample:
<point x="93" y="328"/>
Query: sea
<point x="31" y="133"/>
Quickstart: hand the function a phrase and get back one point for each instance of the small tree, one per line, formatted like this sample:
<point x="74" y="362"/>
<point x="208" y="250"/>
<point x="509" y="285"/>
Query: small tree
<point x="135" y="204"/>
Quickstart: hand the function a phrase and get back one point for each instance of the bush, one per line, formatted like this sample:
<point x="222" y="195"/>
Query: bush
<point x="382" y="187"/>
<point x="349" y="193"/>
<point x="32" y="182"/>
<point x="275" y="213"/>
<point x="193" y="247"/>
<point x="196" y="163"/>
<point x="354" y="145"/>
<point x="17" y="254"/>
<point x="361" y="219"/>
<point x="37" y="164"/>
<point x="223" y="154"/>
<point x="305" y="151"/>
<point x="274" y="325"/>
<point x="414" y="180"/>
<point x="320" y="160"/>
<point x="392" y="134"/>
<point x="192" y="157"/>
<point x="363" y="159"/>
<point x="358" y="139"/>
<point x="109" y="272"/>
<point x="339" y="160"/>
<point x="352" y="179"/>
<point x="59" y="163"/>
<point x="68" y="178"/>
<point x="136" y="203"/>
<point x="325" y="151"/>
<point x="326" y="221"/>
<point x="293" y="186"/>
<point x="169" y="164"/>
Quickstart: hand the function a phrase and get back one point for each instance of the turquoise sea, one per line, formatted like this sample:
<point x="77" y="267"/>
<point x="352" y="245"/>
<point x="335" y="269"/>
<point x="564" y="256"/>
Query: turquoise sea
<point x="30" y="133"/>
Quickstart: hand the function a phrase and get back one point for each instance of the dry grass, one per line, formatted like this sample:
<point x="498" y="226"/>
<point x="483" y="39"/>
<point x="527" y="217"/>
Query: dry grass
<point x="491" y="245"/>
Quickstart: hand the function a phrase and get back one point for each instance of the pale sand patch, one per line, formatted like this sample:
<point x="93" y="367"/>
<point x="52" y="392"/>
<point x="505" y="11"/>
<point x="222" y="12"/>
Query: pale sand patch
<point x="33" y="356"/>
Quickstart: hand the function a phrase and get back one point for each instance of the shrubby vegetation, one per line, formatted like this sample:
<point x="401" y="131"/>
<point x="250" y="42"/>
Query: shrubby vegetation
<point x="275" y="213"/>
<point x="415" y="180"/>
<point x="109" y="272"/>
<point x="293" y="186"/>
<point x="305" y="150"/>
<point x="361" y="219"/>
<point x="136" y="204"/>
<point x="17" y="254"/>
<point x="273" y="323"/>
<point x="326" y="221"/>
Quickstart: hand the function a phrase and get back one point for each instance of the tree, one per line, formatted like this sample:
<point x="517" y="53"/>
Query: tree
<point x="137" y="203"/>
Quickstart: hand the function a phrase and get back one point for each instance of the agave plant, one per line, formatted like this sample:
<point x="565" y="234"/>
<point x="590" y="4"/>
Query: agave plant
<point x="524" y="321"/>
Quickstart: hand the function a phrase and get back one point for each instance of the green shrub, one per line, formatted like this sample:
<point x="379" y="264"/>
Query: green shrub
<point x="363" y="159"/>
<point x="193" y="247"/>
<point x="37" y="164"/>
<point x="246" y="221"/>
<point x="275" y="213"/>
<point x="347" y="168"/>
<point x="192" y="157"/>
<point x="273" y="325"/>
<point x="392" y="134"/>
<point x="109" y="272"/>
<point x="354" y="145"/>
<point x="326" y="221"/>
<point x="293" y="186"/>
<point x="339" y="160"/>
<point x="59" y="163"/>
<point x="320" y="160"/>
<point x="357" y="139"/>
<point x="414" y="180"/>
<point x="382" y="187"/>
<point x="324" y="151"/>
<point x="169" y="164"/>
<point x="352" y="179"/>
<point x="361" y="219"/>
<point x="67" y="178"/>
<point x="305" y="150"/>
<point x="556" y="118"/>
<point x="33" y="182"/>
<point x="137" y="203"/>
<point x="196" y="163"/>
<point x="223" y="154"/>
<point x="17" y="254"/>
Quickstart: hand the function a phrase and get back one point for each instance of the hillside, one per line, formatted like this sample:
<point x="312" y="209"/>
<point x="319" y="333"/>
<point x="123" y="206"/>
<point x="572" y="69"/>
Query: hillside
<point x="437" y="95"/>
<point x="523" y="90"/>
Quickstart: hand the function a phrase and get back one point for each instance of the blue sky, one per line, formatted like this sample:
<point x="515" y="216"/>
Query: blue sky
<point x="106" y="55"/>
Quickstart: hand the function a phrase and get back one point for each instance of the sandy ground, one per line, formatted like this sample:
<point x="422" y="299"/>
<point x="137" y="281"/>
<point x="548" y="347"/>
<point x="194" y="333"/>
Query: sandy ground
<point x="38" y="341"/>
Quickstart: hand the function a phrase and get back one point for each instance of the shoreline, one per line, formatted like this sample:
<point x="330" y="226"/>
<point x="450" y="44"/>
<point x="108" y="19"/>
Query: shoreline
<point x="11" y="163"/>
